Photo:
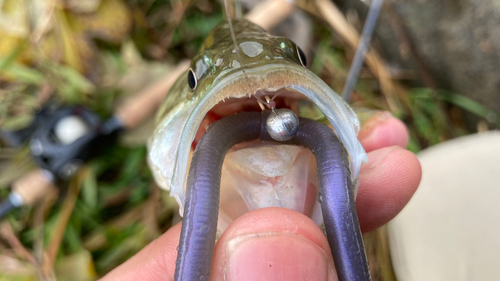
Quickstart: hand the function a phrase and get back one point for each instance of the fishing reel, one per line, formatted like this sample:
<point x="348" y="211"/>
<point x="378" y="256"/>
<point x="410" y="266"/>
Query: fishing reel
<point x="61" y="138"/>
<point x="67" y="137"/>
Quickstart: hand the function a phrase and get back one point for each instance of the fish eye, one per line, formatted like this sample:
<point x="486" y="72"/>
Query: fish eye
<point x="302" y="56"/>
<point x="192" y="82"/>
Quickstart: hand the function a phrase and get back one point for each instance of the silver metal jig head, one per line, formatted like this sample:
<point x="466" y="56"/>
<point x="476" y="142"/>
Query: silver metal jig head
<point x="282" y="124"/>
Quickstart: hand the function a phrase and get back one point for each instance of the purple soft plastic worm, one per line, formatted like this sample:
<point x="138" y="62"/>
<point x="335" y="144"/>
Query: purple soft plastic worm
<point x="194" y="260"/>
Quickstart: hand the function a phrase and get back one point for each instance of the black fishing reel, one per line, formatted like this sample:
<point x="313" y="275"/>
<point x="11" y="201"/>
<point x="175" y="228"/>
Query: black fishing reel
<point x="61" y="138"/>
<point x="67" y="137"/>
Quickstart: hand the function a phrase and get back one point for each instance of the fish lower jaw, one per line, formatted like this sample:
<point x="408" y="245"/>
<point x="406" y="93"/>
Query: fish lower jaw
<point x="258" y="175"/>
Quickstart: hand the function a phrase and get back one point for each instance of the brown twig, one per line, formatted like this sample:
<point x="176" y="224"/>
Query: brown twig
<point x="38" y="227"/>
<point x="8" y="235"/>
<point x="269" y="13"/>
<point x="97" y="239"/>
<point x="63" y="218"/>
<point x="178" y="10"/>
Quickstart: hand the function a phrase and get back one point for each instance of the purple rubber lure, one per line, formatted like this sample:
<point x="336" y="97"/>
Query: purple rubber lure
<point x="197" y="241"/>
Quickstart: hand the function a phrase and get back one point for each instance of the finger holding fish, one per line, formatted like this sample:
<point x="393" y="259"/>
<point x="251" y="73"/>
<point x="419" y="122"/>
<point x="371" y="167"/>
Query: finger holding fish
<point x="380" y="129"/>
<point x="382" y="192"/>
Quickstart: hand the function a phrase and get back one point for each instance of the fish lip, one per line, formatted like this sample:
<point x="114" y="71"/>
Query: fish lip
<point x="267" y="77"/>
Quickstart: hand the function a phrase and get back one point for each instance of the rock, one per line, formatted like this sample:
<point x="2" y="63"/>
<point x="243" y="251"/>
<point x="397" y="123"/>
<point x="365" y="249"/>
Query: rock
<point x="459" y="42"/>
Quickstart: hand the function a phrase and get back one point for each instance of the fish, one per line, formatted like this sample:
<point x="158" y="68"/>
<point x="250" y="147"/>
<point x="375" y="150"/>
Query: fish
<point x="225" y="77"/>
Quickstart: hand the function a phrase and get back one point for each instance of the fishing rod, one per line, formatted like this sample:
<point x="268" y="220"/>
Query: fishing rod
<point x="62" y="138"/>
<point x="364" y="43"/>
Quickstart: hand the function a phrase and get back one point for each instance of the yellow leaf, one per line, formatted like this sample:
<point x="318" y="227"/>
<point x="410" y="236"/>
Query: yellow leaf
<point x="70" y="48"/>
<point x="111" y="22"/>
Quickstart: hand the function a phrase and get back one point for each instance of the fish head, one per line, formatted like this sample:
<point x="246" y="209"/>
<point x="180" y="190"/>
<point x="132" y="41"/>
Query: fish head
<point x="224" y="79"/>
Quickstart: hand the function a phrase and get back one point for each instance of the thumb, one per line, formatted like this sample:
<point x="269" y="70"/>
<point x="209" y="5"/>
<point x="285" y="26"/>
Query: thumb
<point x="273" y="244"/>
<point x="265" y="244"/>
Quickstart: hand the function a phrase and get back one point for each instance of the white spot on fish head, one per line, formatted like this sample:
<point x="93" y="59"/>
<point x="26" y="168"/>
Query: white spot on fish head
<point x="251" y="49"/>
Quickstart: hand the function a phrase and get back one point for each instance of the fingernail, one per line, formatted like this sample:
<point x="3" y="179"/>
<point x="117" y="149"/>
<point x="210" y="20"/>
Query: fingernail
<point x="377" y="156"/>
<point x="370" y="126"/>
<point x="275" y="256"/>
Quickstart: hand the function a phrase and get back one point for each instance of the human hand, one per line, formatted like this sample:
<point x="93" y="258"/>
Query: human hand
<point x="281" y="244"/>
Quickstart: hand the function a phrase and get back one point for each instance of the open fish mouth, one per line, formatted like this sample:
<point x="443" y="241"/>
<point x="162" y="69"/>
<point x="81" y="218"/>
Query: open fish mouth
<point x="255" y="174"/>
<point x="260" y="174"/>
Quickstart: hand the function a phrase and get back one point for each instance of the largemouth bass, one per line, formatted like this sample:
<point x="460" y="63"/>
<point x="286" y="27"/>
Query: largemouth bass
<point x="222" y="81"/>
